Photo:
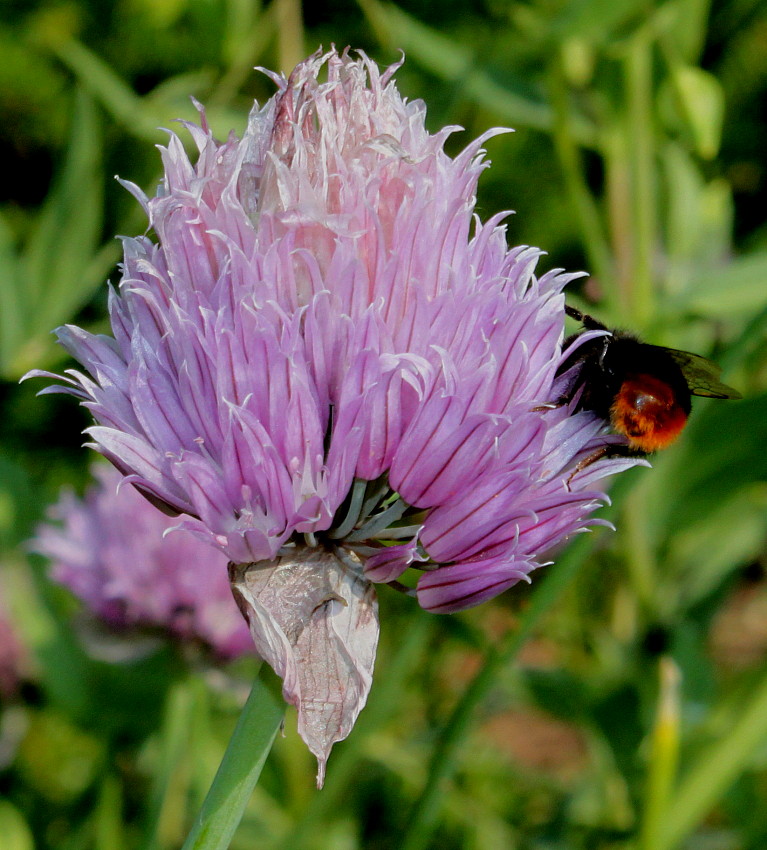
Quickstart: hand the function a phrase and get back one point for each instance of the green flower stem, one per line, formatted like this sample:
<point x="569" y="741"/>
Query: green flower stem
<point x="639" y="99"/>
<point x="586" y="209"/>
<point x="664" y="756"/>
<point x="108" y="830"/>
<point x="290" y="34"/>
<point x="715" y="770"/>
<point x="445" y="760"/>
<point x="248" y="30"/>
<point x="640" y="550"/>
<point x="238" y="773"/>
<point x="619" y="214"/>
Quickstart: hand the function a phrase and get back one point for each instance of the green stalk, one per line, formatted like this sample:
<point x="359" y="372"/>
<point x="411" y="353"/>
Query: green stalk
<point x="715" y="770"/>
<point x="238" y="773"/>
<point x="664" y="756"/>
<point x="249" y="30"/>
<point x="290" y="34"/>
<point x="639" y="99"/>
<point x="585" y="207"/>
<point x="640" y="551"/>
<point x="618" y="190"/>
<point x="109" y="833"/>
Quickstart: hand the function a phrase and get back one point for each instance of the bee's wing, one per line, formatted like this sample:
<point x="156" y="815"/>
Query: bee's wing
<point x="702" y="375"/>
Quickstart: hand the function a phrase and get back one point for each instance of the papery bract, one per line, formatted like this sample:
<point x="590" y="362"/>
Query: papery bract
<point x="322" y="643"/>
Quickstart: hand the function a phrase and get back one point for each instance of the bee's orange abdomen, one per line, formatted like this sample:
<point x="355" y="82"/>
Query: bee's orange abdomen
<point x="648" y="411"/>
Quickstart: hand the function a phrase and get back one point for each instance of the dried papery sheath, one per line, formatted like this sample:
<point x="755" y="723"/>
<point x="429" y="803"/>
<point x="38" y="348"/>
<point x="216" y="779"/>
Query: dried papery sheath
<point x="315" y="620"/>
<point x="326" y="350"/>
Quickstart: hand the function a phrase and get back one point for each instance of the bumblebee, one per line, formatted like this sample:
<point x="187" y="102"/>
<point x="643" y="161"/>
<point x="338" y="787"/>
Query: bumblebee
<point x="643" y="391"/>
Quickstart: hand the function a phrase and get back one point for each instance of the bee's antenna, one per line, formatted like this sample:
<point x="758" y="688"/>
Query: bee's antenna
<point x="587" y="321"/>
<point x="573" y="313"/>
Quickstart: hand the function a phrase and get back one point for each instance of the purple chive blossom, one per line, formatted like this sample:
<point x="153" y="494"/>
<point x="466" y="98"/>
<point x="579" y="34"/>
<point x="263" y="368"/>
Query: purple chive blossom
<point x="109" y="549"/>
<point x="327" y="359"/>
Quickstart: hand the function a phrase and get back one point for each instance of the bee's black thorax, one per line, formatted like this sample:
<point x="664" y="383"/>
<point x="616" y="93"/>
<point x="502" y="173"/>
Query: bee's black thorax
<point x="604" y="364"/>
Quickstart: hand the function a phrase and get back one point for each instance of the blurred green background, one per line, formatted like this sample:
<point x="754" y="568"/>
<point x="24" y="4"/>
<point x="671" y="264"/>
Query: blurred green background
<point x="618" y="702"/>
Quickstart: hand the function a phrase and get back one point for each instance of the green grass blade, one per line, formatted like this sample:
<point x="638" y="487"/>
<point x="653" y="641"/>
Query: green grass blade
<point x="108" y="816"/>
<point x="664" y="755"/>
<point x="12" y="315"/>
<point x="584" y="204"/>
<point x="16" y="834"/>
<point x="106" y="86"/>
<point x="715" y="769"/>
<point x="451" y="61"/>
<point x="736" y="289"/>
<point x="65" y="234"/>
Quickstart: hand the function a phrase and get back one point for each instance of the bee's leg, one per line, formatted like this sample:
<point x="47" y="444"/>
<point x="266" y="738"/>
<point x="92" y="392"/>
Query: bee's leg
<point x="598" y="454"/>
<point x="562" y="401"/>
<point x="402" y="588"/>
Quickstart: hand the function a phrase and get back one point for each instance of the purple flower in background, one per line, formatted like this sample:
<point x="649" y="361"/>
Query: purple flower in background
<point x="334" y="371"/>
<point x="14" y="657"/>
<point x="109" y="550"/>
